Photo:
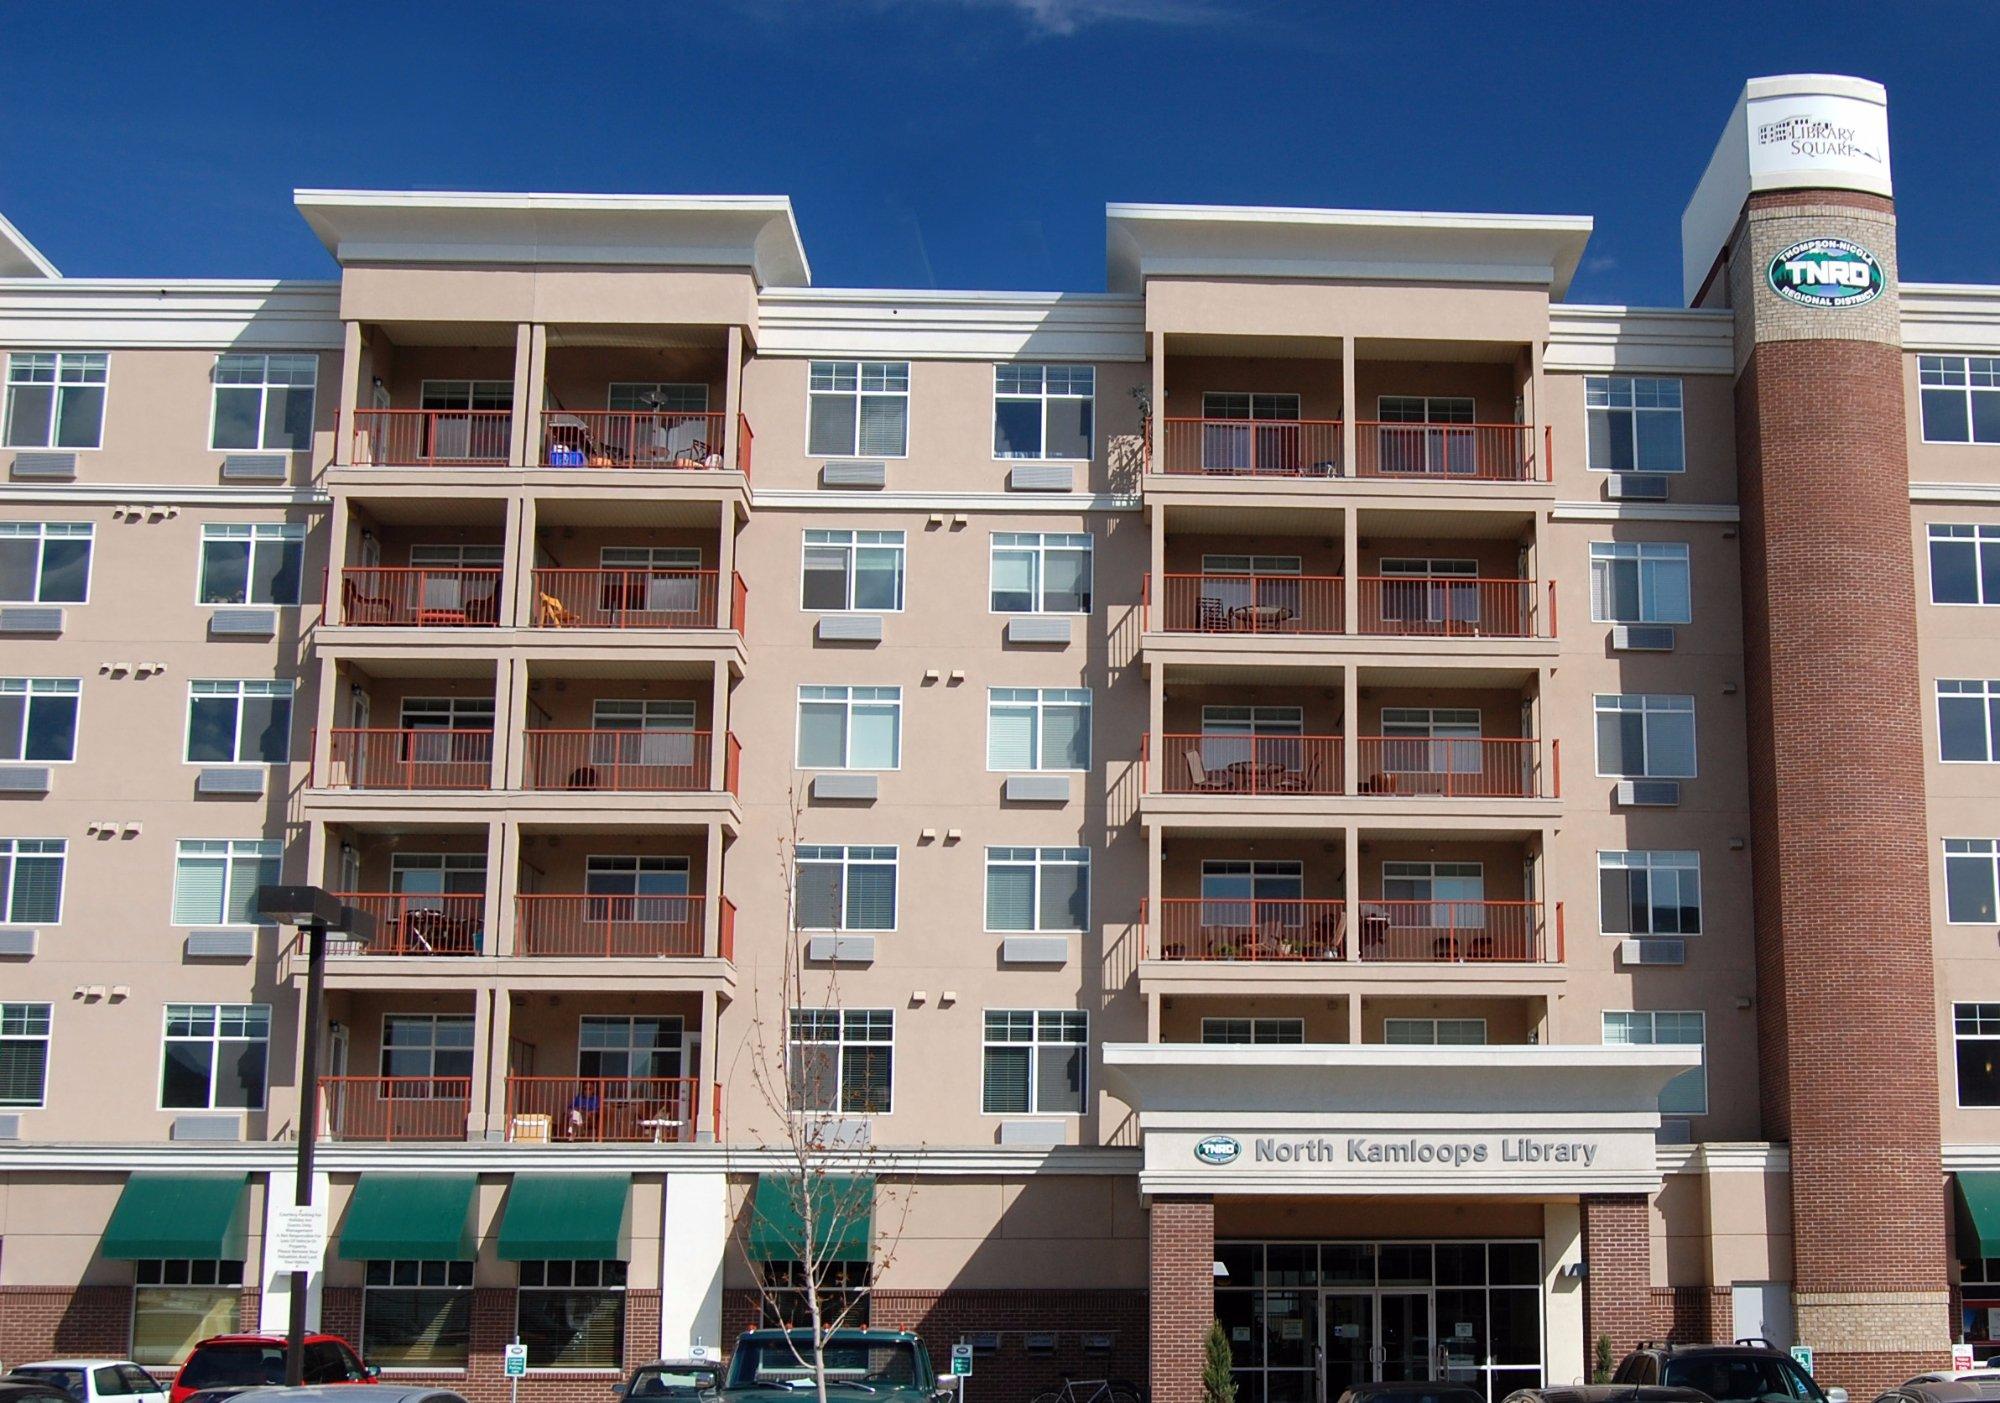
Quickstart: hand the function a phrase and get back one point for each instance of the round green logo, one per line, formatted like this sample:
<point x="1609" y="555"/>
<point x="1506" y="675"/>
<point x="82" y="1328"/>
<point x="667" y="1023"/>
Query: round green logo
<point x="1826" y="273"/>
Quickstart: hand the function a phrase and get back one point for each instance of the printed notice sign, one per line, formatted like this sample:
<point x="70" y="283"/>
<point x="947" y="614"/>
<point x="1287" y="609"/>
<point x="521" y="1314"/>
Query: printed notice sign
<point x="297" y="1238"/>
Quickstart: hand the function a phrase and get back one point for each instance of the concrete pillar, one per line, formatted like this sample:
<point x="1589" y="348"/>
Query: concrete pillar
<point x="718" y="726"/>
<point x="1350" y="729"/>
<point x="503" y="882"/>
<point x="701" y="1116"/>
<point x="1350" y="412"/>
<point x="1350" y="569"/>
<point x="711" y="901"/>
<point x="492" y="1034"/>
<point x="1351" y="884"/>
<point x="1156" y="856"/>
<point x="1156" y="725"/>
<point x="1158" y="347"/>
<point x="725" y="568"/>
<point x="524" y="427"/>
<point x="1181" y="1295"/>
<point x="332" y="681"/>
<point x="510" y="713"/>
<point x="694" y="1240"/>
<point x="1156" y="566"/>
<point x="1537" y="416"/>
<point x="732" y="399"/>
<point x="517" y="574"/>
<point x="1618" y="1255"/>
<point x="350" y="392"/>
<point x="1569" y="1347"/>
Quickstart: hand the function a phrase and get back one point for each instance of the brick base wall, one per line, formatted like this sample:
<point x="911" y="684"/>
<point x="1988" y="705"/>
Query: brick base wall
<point x="1182" y="1280"/>
<point x="1866" y="1375"/>
<point x="1618" y="1291"/>
<point x="40" y="1322"/>
<point x="1693" y="1315"/>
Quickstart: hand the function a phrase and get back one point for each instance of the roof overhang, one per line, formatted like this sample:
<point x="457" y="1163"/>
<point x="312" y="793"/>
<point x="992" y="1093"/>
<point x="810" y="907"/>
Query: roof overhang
<point x="756" y="232"/>
<point x="19" y="258"/>
<point x="1248" y="241"/>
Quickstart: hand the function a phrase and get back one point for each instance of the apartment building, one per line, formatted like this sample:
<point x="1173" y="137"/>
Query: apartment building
<point x="1328" y="788"/>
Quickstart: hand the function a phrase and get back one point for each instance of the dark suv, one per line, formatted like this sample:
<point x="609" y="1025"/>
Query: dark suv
<point x="1749" y="1371"/>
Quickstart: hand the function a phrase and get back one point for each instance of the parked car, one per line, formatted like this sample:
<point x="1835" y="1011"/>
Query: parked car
<point x="1606" y="1393"/>
<point x="1986" y="1373"/>
<point x="351" y="1393"/>
<point x="673" y="1378"/>
<point x="1749" y="1371"/>
<point x="256" y="1361"/>
<point x="88" y="1380"/>
<point x="18" y="1390"/>
<point x="882" y="1366"/>
<point x="1436" y="1391"/>
<point x="1947" y="1390"/>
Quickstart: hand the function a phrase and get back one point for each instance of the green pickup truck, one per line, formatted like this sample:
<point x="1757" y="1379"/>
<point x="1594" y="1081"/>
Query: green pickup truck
<point x="879" y="1366"/>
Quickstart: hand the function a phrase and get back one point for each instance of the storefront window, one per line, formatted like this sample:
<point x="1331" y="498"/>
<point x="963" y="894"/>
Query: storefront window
<point x="177" y="1302"/>
<point x="417" y="1315"/>
<point x="843" y="1295"/>
<point x="571" y="1315"/>
<point x="1979" y="1293"/>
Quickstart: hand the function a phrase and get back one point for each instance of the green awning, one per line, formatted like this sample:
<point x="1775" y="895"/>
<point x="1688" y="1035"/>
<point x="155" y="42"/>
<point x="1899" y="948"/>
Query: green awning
<point x="843" y="1217"/>
<point x="425" y="1216"/>
<point x="1979" y="1205"/>
<point x="202" y="1216"/>
<point x="555" y="1216"/>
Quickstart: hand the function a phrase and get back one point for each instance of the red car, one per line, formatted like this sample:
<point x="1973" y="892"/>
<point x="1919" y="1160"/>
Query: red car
<point x="257" y="1361"/>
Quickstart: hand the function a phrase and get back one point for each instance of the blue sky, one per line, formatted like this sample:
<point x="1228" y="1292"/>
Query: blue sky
<point x="953" y="143"/>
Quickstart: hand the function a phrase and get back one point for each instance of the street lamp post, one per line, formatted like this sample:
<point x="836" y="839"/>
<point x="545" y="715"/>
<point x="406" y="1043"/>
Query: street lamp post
<point x="313" y="911"/>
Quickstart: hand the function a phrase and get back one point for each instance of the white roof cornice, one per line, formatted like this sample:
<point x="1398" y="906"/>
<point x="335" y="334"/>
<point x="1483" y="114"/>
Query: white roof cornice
<point x="950" y="325"/>
<point x="1640" y="340"/>
<point x="19" y="258"/>
<point x="1951" y="318"/>
<point x="168" y="313"/>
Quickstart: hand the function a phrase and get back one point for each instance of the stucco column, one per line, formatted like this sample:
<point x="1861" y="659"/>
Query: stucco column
<point x="517" y="581"/>
<point x="732" y="399"/>
<point x="1156" y="566"/>
<point x="350" y="392"/>
<point x="1351" y="884"/>
<point x="510" y="713"/>
<point x="711" y="900"/>
<point x="1618" y="1255"/>
<point x="1350" y="570"/>
<point x="524" y="427"/>
<point x="1156" y="725"/>
<point x="325" y="703"/>
<point x="1156" y="856"/>
<point x="1181" y="1278"/>
<point x="1537" y="416"/>
<point x="1350" y="729"/>
<point x="725" y="568"/>
<point x="701" y="1125"/>
<point x="1158" y="345"/>
<point x="718" y="726"/>
<point x="1349" y="430"/>
<point x="493" y="1032"/>
<point x="503" y="881"/>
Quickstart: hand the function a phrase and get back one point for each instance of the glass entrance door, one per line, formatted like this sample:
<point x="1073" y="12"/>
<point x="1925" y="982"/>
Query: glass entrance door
<point x="1347" y="1347"/>
<point x="1403" y="1337"/>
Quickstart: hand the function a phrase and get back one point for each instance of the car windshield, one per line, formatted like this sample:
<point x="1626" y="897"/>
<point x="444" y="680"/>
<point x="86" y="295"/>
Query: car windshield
<point x="233" y="1366"/>
<point x="671" y="1383"/>
<point x="70" y="1381"/>
<point x="863" y="1365"/>
<point x="1743" y="1378"/>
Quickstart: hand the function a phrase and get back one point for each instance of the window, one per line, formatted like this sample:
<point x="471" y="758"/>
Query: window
<point x="31" y="880"/>
<point x="1649" y="893"/>
<point x="1434" y="1032"/>
<point x="427" y="1047"/>
<point x="179" y="1302"/>
<point x="847" y="570"/>
<point x="45" y="562"/>
<point x="850" y="728"/>
<point x="417" y="1315"/>
<point x="843" y="1293"/>
<point x="1037" y="889"/>
<point x="1037" y="572"/>
<point x="216" y="879"/>
<point x="1036" y="1062"/>
<point x="844" y="888"/>
<point x="571" y="1315"/>
<point x="1965" y="564"/>
<point x="657" y="398"/>
<point x="1266" y="894"/>
<point x="1426" y="740"/>
<point x="1639" y="582"/>
<point x="858" y="409"/>
<point x="1968" y="721"/>
<point x="24" y="1054"/>
<point x="1634" y="424"/>
<point x="55" y="399"/>
<point x="1686" y="1094"/>
<point x="252" y="564"/>
<point x="1267" y="438"/>
<point x="38" y="718"/>
<point x="1427" y="433"/>
<point x="1451" y="895"/>
<point x="1031" y="728"/>
<point x="1976" y="1040"/>
<point x="638" y="889"/>
<point x="639" y="1047"/>
<point x="1043" y="411"/>
<point x="1969" y="886"/>
<point x="841" y="1060"/>
<point x="214" y="1057"/>
<point x="264" y="402"/>
<point x="239" y="723"/>
<point x="1253" y="1031"/>
<point x="1960" y="397"/>
<point x="1645" y="737"/>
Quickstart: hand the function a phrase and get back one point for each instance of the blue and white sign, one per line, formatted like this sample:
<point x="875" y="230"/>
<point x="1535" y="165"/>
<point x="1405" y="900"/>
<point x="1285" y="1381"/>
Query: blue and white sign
<point x="1218" y="1149"/>
<point x="1826" y="273"/>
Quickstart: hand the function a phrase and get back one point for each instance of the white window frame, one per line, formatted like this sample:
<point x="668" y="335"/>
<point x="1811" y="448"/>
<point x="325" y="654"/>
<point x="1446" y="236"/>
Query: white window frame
<point x="1985" y="1029"/>
<point x="277" y="533"/>
<point x="1650" y="703"/>
<point x="1976" y="375"/>
<point x="1967" y="850"/>
<point x="1987" y="691"/>
<point x="637" y="390"/>
<point x="1039" y="544"/>
<point x="1654" y="862"/>
<point x="851" y="855"/>
<point x="628" y="1022"/>
<point x="19" y="1024"/>
<point x="1257" y="1028"/>
<point x="31" y="688"/>
<point x="444" y="864"/>
<point x="244" y="687"/>
<point x="433" y="1076"/>
<point x="12" y="850"/>
<point x="851" y="543"/>
<point x="848" y="698"/>
<point x="1044" y="396"/>
<point x="242" y="1013"/>
<point x="1038" y="701"/>
<point x="1650" y="1020"/>
<point x="264" y="386"/>
<point x="1976" y="535"/>
<point x="42" y="532"/>
<point x="227" y="851"/>
<point x="1037" y="860"/>
<point x="1605" y="385"/>
<point x="87" y="363"/>
<point x="1062" y="1021"/>
<point x="1646" y="558"/>
<point x="845" y="1023"/>
<point x="884" y="373"/>
<point x="1434" y="1030"/>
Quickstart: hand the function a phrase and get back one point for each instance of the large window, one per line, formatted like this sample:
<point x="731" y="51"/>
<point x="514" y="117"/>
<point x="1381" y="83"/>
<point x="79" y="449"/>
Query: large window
<point x="1649" y="893"/>
<point x="252" y="563"/>
<point x="846" y="888"/>
<point x="45" y="562"/>
<point x="1975" y="1031"/>
<point x="859" y="409"/>
<point x="215" y="1057"/>
<point x="426" y="1047"/>
<point x="417" y="1315"/>
<point x="1968" y="720"/>
<point x="1449" y="895"/>
<point x="216" y="879"/>
<point x="1043" y="411"/>
<point x="1965" y="564"/>
<point x="264" y="402"/>
<point x="55" y="399"/>
<point x="38" y="718"/>
<point x="1446" y="442"/>
<point x="1036" y="1062"/>
<point x="645" y="888"/>
<point x="1639" y="582"/>
<point x="850" y="728"/>
<point x="1434" y="1032"/>
<point x="1969" y="885"/>
<point x="571" y="1315"/>
<point x="1261" y="1032"/>
<point x="1635" y="424"/>
<point x="1686" y="1094"/>
<point x="177" y="1303"/>
<point x="847" y="570"/>
<point x="31" y="880"/>
<point x="1038" y="728"/>
<point x="1643" y="736"/>
<point x="1039" y="572"/>
<point x="1960" y="396"/>
<point x="1031" y="889"/>
<point x="842" y="1060"/>
<point x="239" y="723"/>
<point x="843" y="1293"/>
<point x="24" y="1054"/>
<point x="640" y="1046"/>
<point x="657" y="397"/>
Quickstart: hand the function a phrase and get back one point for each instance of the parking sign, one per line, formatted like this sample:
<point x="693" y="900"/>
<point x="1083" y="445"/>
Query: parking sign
<point x="517" y="1361"/>
<point x="961" y="1361"/>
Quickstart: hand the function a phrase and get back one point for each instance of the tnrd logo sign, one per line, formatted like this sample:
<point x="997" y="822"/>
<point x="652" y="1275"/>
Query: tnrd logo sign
<point x="1826" y="273"/>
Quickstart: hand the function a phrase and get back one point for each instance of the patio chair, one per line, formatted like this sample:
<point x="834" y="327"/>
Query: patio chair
<point x="1210" y="616"/>
<point x="359" y="608"/>
<point x="551" y="612"/>
<point x="1201" y="779"/>
<point x="684" y="446"/>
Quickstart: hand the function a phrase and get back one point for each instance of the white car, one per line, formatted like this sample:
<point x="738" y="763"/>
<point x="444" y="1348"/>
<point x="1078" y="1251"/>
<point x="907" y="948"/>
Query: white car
<point x="89" y="1380"/>
<point x="1985" y="1374"/>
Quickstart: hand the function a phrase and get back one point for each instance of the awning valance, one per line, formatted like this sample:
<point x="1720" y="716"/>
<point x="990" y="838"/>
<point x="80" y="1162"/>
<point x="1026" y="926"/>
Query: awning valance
<point x="551" y="1217"/>
<point x="843" y="1217"/>
<point x="199" y="1216"/>
<point x="422" y="1216"/>
<point x="1979" y="1209"/>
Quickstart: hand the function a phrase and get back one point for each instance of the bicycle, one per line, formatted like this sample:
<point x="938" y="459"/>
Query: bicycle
<point x="1093" y="1391"/>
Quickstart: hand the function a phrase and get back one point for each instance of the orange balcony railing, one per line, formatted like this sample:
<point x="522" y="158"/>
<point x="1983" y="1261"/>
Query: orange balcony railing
<point x="1189" y="603"/>
<point x="1250" y="765"/>
<point x="1456" y="932"/>
<point x="395" y="1108"/>
<point x="725" y="930"/>
<point x="1452" y="767"/>
<point x="417" y="923"/>
<point x="1251" y="928"/>
<point x="672" y="762"/>
<point x="739" y="604"/>
<point x="1249" y="447"/>
<point x="408" y="759"/>
<point x="625" y="598"/>
<point x="743" y="438"/>
<point x="386" y="596"/>
<point x="432" y="437"/>
<point x="624" y="438"/>
<point x="576" y="926"/>
<point x="1434" y="606"/>
<point x="661" y="1110"/>
<point x="1447" y="452"/>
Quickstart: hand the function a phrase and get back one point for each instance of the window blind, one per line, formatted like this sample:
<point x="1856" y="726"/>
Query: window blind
<point x="1058" y="1078"/>
<point x="198" y="884"/>
<point x="1010" y="898"/>
<point x="24" y="1065"/>
<point x="1010" y="738"/>
<point x="871" y="898"/>
<point x="1005" y="1083"/>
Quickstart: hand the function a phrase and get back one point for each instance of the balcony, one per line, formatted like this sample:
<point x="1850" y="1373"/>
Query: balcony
<point x="1312" y="448"/>
<point x="631" y="598"/>
<point x="431" y="438"/>
<point x="1451" y="767"/>
<point x="395" y="1108"/>
<point x="417" y="923"/>
<point x="622" y="761"/>
<point x="406" y="760"/>
<point x="1251" y="766"/>
<point x="1448" y="452"/>
<point x="606" y="1110"/>
<point x="1457" y="932"/>
<point x="1250" y="448"/>
<point x="380" y="596"/>
<point x="582" y="926"/>
<point x="1402" y="606"/>
<point x="1246" y="930"/>
<point x="1245" y="604"/>
<point x="655" y="439"/>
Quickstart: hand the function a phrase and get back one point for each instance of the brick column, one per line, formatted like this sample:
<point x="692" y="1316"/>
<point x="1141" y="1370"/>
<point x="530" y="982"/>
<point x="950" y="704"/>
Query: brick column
<point x="1618" y="1291"/>
<point x="1182" y="1282"/>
